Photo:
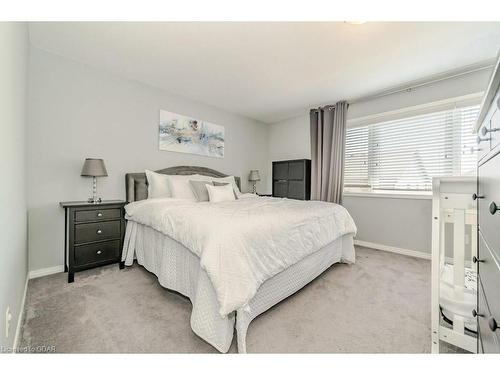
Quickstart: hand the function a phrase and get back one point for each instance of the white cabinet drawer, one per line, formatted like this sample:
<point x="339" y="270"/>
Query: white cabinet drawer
<point x="489" y="131"/>
<point x="495" y="127"/>
<point x="483" y="141"/>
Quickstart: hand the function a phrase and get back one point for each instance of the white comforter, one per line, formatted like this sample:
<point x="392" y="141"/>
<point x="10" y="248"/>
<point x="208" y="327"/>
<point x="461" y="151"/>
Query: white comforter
<point x="243" y="243"/>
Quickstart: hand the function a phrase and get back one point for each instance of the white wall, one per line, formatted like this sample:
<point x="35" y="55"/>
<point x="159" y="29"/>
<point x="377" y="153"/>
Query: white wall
<point x="13" y="222"/>
<point x="395" y="222"/>
<point x="399" y="222"/>
<point x="76" y="111"/>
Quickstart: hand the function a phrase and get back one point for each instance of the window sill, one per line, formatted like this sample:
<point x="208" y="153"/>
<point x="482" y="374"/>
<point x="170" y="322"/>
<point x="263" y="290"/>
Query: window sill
<point x="390" y="194"/>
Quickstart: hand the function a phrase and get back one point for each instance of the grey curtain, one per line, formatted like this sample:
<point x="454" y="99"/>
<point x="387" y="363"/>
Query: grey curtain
<point x="328" y="129"/>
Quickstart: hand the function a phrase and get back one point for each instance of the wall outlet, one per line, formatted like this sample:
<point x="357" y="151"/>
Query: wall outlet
<point x="8" y="318"/>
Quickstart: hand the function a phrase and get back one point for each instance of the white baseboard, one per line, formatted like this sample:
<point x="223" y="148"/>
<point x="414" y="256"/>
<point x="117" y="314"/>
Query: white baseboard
<point x="392" y="249"/>
<point x="45" y="271"/>
<point x="20" y="317"/>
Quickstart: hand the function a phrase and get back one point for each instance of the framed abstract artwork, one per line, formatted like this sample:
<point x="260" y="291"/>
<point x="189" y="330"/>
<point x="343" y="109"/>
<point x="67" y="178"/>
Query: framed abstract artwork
<point x="179" y="133"/>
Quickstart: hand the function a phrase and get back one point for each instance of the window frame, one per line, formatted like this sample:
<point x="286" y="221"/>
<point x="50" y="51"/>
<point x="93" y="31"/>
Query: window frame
<point x="428" y="108"/>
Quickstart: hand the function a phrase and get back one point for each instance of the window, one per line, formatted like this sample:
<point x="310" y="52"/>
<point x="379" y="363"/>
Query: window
<point x="405" y="154"/>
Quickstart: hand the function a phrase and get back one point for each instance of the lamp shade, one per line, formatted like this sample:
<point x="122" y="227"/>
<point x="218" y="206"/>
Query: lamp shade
<point x="94" y="168"/>
<point x="254" y="175"/>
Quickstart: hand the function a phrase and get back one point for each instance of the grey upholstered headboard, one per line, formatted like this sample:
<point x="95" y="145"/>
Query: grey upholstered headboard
<point x="136" y="183"/>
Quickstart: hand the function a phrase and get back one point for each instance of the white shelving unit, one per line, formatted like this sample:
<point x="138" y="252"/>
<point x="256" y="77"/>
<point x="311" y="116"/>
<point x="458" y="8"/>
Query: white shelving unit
<point x="453" y="288"/>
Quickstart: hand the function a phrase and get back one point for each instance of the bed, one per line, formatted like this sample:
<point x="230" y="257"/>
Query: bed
<point x="233" y="260"/>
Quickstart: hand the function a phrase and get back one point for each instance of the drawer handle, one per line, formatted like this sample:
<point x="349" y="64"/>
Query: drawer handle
<point x="493" y="208"/>
<point x="99" y="214"/>
<point x="479" y="139"/>
<point x="477" y="260"/>
<point x="474" y="313"/>
<point x="492" y="323"/>
<point x="475" y="196"/>
<point x="99" y="252"/>
<point x="485" y="130"/>
<point x="99" y="231"/>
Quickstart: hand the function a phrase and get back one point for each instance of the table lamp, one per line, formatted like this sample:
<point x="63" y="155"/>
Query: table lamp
<point x="254" y="177"/>
<point x="94" y="168"/>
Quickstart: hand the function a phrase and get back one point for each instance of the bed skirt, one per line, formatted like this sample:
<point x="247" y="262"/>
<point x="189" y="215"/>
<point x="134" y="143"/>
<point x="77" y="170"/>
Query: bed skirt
<point x="179" y="269"/>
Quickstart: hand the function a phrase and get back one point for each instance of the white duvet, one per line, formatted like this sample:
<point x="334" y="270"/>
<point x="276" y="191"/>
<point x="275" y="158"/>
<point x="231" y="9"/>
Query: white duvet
<point x="243" y="243"/>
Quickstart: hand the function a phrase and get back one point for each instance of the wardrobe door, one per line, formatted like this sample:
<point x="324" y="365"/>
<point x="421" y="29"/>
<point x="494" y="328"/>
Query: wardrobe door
<point x="296" y="170"/>
<point x="280" y="170"/>
<point x="296" y="189"/>
<point x="280" y="188"/>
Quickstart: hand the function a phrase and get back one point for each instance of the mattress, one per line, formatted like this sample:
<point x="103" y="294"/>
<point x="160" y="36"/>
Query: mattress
<point x="244" y="242"/>
<point x="179" y="269"/>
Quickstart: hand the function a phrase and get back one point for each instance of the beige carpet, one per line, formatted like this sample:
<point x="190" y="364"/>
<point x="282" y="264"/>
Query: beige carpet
<point x="381" y="304"/>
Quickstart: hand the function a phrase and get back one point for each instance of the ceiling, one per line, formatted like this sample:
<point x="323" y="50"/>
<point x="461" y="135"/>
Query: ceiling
<point x="271" y="71"/>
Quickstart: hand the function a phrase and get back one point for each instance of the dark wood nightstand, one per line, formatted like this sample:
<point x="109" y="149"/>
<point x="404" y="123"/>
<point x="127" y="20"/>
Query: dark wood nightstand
<point x="93" y="235"/>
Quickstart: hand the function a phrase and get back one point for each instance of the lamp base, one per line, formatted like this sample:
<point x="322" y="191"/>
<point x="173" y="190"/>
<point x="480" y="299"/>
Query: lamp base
<point x="94" y="199"/>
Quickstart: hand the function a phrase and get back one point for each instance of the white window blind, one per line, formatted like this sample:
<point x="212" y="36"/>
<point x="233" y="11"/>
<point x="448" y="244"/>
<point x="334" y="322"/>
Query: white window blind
<point x="405" y="154"/>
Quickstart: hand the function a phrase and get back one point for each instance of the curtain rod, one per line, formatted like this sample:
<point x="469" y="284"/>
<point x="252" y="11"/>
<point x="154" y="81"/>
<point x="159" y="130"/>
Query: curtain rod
<point x="329" y="107"/>
<point x="410" y="87"/>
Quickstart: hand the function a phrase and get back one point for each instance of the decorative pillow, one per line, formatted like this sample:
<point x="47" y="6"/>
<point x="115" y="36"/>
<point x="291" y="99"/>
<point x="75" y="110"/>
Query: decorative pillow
<point x="232" y="181"/>
<point x="220" y="193"/>
<point x="180" y="188"/>
<point x="224" y="184"/>
<point x="157" y="185"/>
<point x="200" y="190"/>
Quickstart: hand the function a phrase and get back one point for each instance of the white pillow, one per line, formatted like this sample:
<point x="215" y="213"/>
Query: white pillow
<point x="157" y="185"/>
<point x="220" y="193"/>
<point x="232" y="181"/>
<point x="180" y="188"/>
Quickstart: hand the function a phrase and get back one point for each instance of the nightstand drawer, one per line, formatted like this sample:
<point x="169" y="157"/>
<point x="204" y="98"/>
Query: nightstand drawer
<point x="94" y="215"/>
<point x="97" y="252"/>
<point x="106" y="230"/>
